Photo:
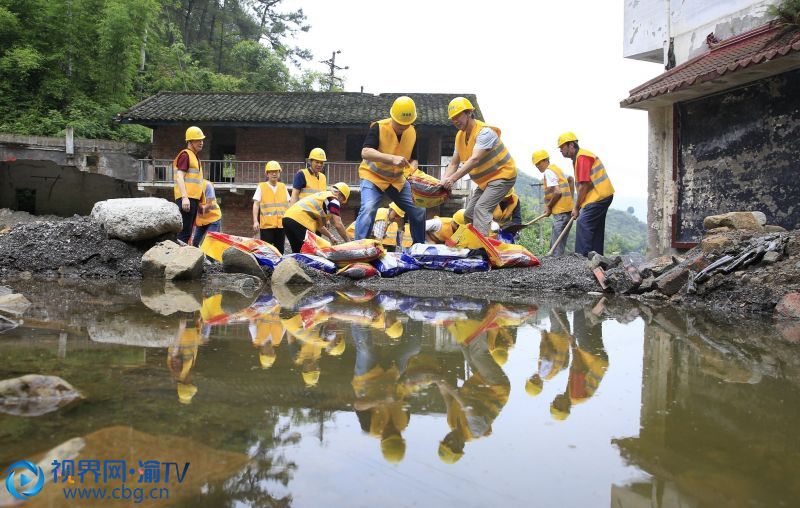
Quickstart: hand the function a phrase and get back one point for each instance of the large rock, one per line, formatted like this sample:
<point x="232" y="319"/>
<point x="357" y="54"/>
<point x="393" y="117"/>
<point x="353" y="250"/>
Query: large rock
<point x="35" y="395"/>
<point x="290" y="273"/>
<point x="137" y="219"/>
<point x="789" y="306"/>
<point x="237" y="261"/>
<point x="712" y="243"/>
<point x="168" y="260"/>
<point x="746" y="221"/>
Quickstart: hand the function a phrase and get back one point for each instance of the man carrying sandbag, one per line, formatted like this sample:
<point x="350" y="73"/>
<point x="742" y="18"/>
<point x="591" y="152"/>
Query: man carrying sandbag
<point x="389" y="154"/>
<point x="312" y="213"/>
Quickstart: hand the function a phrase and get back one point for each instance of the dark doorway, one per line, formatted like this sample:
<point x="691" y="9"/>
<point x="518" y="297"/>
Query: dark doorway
<point x="26" y="200"/>
<point x="223" y="152"/>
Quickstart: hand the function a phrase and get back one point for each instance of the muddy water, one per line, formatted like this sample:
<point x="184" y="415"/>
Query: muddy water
<point x="358" y="398"/>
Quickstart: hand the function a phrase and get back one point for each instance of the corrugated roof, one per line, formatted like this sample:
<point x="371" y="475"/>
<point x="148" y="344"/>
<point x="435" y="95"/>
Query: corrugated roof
<point x="744" y="50"/>
<point x="285" y="108"/>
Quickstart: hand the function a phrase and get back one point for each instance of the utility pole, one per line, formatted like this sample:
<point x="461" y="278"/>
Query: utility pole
<point x="334" y="80"/>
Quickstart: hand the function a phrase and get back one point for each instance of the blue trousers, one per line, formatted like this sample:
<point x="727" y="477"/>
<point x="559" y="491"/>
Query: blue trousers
<point x="371" y="196"/>
<point x="591" y="227"/>
<point x="200" y="232"/>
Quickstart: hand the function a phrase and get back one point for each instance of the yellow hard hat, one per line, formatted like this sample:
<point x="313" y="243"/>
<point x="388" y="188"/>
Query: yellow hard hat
<point x="403" y="110"/>
<point x="566" y="138"/>
<point x="447" y="455"/>
<point x="194" y="134"/>
<point x="395" y="331"/>
<point x="459" y="217"/>
<point x="458" y="105"/>
<point x="186" y="392"/>
<point x="266" y="360"/>
<point x="337" y="348"/>
<point x="500" y="355"/>
<point x="317" y="154"/>
<point x="558" y="414"/>
<point x="272" y="166"/>
<point x="533" y="386"/>
<point x="397" y="210"/>
<point x="344" y="189"/>
<point x="393" y="448"/>
<point x="540" y="155"/>
<point x="311" y="378"/>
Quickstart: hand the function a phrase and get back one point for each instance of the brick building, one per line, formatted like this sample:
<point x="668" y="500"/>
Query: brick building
<point x="244" y="130"/>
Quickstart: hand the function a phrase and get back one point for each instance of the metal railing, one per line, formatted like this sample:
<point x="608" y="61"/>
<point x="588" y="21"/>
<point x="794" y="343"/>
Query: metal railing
<point x="247" y="174"/>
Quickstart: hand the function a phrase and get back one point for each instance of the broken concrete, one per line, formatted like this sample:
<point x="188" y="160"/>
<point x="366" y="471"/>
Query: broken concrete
<point x="137" y="219"/>
<point x="238" y="261"/>
<point x="168" y="260"/>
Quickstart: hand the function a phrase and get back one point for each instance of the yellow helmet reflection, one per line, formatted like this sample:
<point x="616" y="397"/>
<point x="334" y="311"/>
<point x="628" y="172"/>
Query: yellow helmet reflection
<point x="311" y="378"/>
<point x="393" y="448"/>
<point x="186" y="392"/>
<point x="447" y="455"/>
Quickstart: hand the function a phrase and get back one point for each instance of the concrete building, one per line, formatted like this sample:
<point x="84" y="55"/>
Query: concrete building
<point x="245" y="130"/>
<point x="724" y="118"/>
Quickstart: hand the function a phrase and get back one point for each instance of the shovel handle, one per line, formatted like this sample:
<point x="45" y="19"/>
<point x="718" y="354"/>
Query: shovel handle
<point x="561" y="236"/>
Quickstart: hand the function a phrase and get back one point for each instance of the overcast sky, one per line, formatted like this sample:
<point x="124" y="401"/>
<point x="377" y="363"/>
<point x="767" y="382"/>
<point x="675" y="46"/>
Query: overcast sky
<point x="538" y="68"/>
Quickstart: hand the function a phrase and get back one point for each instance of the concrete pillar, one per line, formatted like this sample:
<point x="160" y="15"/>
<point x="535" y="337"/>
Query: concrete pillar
<point x="660" y="185"/>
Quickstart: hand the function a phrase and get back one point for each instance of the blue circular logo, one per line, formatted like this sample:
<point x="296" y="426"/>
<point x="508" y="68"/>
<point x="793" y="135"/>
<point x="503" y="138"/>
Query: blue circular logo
<point x="28" y="485"/>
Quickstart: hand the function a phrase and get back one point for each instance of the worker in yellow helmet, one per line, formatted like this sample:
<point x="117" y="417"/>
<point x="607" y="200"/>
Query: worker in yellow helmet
<point x="270" y="202"/>
<point x="507" y="213"/>
<point x="209" y="214"/>
<point x="313" y="213"/>
<point x="389" y="228"/>
<point x="389" y="154"/>
<point x="188" y="175"/>
<point x="440" y="229"/>
<point x="310" y="179"/>
<point x="480" y="152"/>
<point x="558" y="191"/>
<point x="595" y="194"/>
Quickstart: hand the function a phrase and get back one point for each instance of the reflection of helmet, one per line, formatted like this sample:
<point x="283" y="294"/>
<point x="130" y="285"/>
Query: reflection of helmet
<point x="186" y="392"/>
<point x="538" y="156"/>
<point x="397" y="210"/>
<point x="272" y="166"/>
<point x="393" y="448"/>
<point x="403" y="110"/>
<point x="338" y="348"/>
<point x="266" y="359"/>
<point x="566" y="138"/>
<point x="194" y="134"/>
<point x="500" y="355"/>
<point x="311" y="378"/>
<point x="458" y="105"/>
<point x="344" y="189"/>
<point x="459" y="217"/>
<point x="558" y="414"/>
<point x="395" y="331"/>
<point x="447" y="455"/>
<point x="317" y="154"/>
<point x="533" y="386"/>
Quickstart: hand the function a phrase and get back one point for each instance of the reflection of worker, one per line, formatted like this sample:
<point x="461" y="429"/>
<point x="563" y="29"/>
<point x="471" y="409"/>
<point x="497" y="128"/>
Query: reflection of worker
<point x="313" y="341"/>
<point x="553" y="352"/>
<point x="379" y="394"/>
<point x="182" y="356"/>
<point x="266" y="332"/>
<point x="440" y="229"/>
<point x="589" y="365"/>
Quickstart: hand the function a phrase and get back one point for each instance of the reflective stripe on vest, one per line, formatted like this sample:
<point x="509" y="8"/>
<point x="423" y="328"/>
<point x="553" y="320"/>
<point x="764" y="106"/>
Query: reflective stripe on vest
<point x="273" y="205"/>
<point x="494" y="165"/>
<point x="192" y="178"/>
<point x="314" y="184"/>
<point x="601" y="184"/>
<point x="308" y="211"/>
<point x="565" y="203"/>
<point x="384" y="175"/>
<point x="213" y="212"/>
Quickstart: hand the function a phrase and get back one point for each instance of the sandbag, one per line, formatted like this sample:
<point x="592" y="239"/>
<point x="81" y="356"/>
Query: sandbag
<point x="501" y="255"/>
<point x="424" y="250"/>
<point x="215" y="243"/>
<point x="392" y="264"/>
<point x="312" y="261"/>
<point x="343" y="254"/>
<point x="358" y="271"/>
<point x="459" y="265"/>
<point x="426" y="190"/>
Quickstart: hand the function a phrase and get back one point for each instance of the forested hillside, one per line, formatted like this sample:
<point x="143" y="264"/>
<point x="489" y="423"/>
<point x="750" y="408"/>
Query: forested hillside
<point x="80" y="62"/>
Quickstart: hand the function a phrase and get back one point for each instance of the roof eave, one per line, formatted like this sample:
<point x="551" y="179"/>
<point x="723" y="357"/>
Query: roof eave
<point x="152" y="123"/>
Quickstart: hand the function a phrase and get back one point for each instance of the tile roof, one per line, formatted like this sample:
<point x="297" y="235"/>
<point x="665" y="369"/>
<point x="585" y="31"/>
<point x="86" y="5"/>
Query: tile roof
<point x="744" y="50"/>
<point x="284" y="108"/>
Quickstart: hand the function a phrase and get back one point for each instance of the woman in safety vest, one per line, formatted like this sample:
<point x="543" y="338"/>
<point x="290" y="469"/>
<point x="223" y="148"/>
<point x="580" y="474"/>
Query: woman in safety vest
<point x="312" y="213"/>
<point x="270" y="201"/>
<point x="209" y="214"/>
<point x="485" y="158"/>
<point x="188" y="175"/>
<point x="310" y="179"/>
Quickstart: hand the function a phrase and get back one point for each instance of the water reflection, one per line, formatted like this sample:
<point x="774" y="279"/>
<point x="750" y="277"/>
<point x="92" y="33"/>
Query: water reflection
<point x="309" y="394"/>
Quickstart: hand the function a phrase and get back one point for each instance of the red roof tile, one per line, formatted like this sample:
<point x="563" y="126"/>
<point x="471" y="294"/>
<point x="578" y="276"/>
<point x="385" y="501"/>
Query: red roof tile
<point x="744" y="50"/>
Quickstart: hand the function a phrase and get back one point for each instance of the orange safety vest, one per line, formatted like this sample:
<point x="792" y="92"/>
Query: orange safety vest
<point x="308" y="211"/>
<point x="384" y="175"/>
<point x="445" y="232"/>
<point x="272" y="206"/>
<point x="314" y="184"/>
<point x="496" y="164"/>
<point x="193" y="178"/>
<point x="601" y="184"/>
<point x="503" y="215"/>
<point x="565" y="203"/>
<point x="209" y="200"/>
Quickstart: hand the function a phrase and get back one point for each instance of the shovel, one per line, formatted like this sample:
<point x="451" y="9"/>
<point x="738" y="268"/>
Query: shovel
<point x="561" y="237"/>
<point x="514" y="228"/>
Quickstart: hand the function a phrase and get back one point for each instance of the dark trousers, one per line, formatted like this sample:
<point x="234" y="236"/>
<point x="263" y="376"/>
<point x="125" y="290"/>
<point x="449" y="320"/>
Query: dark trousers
<point x="591" y="227"/>
<point x="295" y="233"/>
<point x="188" y="219"/>
<point x="275" y="237"/>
